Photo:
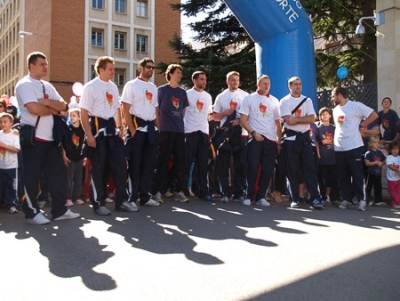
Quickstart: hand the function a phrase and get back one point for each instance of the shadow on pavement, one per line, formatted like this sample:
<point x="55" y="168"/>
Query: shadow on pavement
<point x="170" y="229"/>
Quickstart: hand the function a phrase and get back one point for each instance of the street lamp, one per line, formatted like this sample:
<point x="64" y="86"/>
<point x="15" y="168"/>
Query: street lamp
<point x="379" y="19"/>
<point x="25" y="33"/>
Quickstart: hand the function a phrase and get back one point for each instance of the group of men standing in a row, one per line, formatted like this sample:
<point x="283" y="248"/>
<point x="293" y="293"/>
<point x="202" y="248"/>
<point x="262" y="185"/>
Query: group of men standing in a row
<point x="163" y="123"/>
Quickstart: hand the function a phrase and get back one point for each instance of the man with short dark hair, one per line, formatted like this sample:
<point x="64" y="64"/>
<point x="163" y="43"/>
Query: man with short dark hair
<point x="350" y="117"/>
<point x="197" y="141"/>
<point x="38" y="101"/>
<point x="298" y="150"/>
<point x="172" y="100"/>
<point x="139" y="102"/>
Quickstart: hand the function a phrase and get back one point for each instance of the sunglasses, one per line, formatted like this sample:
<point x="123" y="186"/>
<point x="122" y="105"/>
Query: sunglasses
<point x="149" y="67"/>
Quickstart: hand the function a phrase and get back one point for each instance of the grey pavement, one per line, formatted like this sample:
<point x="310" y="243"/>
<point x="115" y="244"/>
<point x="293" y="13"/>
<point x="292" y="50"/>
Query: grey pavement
<point x="204" y="251"/>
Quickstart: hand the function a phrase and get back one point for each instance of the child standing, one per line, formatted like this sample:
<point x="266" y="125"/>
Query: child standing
<point x="393" y="173"/>
<point x="327" y="173"/>
<point x="374" y="160"/>
<point x="9" y="148"/>
<point x="73" y="159"/>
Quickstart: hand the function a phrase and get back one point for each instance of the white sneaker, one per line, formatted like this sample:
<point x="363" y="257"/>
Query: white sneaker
<point x="128" y="207"/>
<point x="158" y="198"/>
<point x="12" y="210"/>
<point x="67" y="215"/>
<point x="109" y="200"/>
<point x="152" y="203"/>
<point x="181" y="197"/>
<point x="345" y="205"/>
<point x="69" y="203"/>
<point x="362" y="206"/>
<point x="224" y="199"/>
<point x="246" y="202"/>
<point x="263" y="202"/>
<point x="39" y="219"/>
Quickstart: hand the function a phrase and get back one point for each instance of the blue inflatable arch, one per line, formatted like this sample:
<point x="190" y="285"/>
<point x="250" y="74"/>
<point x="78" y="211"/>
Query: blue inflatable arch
<point x="284" y="42"/>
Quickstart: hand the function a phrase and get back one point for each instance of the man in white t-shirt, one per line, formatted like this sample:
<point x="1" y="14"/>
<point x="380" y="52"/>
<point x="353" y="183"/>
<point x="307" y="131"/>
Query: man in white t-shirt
<point x="226" y="108"/>
<point x="104" y="145"/>
<point x="260" y="117"/>
<point x="139" y="103"/>
<point x="298" y="150"/>
<point x="38" y="101"/>
<point x="350" y="117"/>
<point x="197" y="131"/>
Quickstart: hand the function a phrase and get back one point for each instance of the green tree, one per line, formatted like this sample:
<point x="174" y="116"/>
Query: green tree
<point x="228" y="46"/>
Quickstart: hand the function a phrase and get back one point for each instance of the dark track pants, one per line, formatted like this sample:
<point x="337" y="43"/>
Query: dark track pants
<point x="44" y="157"/>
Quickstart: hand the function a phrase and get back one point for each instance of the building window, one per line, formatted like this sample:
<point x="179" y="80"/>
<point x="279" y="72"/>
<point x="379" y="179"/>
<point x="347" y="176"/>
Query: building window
<point x="119" y="40"/>
<point x="141" y="43"/>
<point x="141" y="8"/>
<point x="97" y="4"/>
<point x="120" y="6"/>
<point x="119" y="77"/>
<point x="92" y="72"/>
<point x="97" y="37"/>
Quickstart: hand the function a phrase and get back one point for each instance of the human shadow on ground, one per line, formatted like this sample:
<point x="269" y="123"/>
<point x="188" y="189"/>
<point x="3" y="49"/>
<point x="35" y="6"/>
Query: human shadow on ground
<point x="172" y="229"/>
<point x="69" y="253"/>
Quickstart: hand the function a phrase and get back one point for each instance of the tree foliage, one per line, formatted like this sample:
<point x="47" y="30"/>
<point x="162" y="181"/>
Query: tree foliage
<point x="228" y="46"/>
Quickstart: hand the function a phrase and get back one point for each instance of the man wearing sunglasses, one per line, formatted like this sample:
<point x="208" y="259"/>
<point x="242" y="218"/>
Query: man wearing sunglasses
<point x="139" y="103"/>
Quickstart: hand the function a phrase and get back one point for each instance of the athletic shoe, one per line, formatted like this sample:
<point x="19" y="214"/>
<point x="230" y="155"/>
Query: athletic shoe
<point x="317" y="204"/>
<point x="128" y="207"/>
<point x="362" y="206"/>
<point x="102" y="210"/>
<point x="224" y="199"/>
<point x="109" y="200"/>
<point x="79" y="202"/>
<point x="181" y="197"/>
<point x="327" y="201"/>
<point x="12" y="210"/>
<point x="246" y="202"/>
<point x="67" y="215"/>
<point x="396" y="206"/>
<point x="380" y="204"/>
<point x="263" y="202"/>
<point x="208" y="198"/>
<point x="69" y="203"/>
<point x="39" y="219"/>
<point x="158" y="198"/>
<point x="294" y="204"/>
<point x="152" y="203"/>
<point x="345" y="205"/>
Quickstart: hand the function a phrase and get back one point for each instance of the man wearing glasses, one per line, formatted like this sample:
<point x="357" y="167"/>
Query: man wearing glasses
<point x="139" y="103"/>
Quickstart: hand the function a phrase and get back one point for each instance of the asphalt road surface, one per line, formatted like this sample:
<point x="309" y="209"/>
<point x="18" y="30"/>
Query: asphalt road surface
<point x="204" y="251"/>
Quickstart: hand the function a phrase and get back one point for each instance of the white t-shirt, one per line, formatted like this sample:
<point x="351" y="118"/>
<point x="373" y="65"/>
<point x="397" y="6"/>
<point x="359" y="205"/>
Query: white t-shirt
<point x="142" y="96"/>
<point x="227" y="100"/>
<point x="288" y="103"/>
<point x="392" y="175"/>
<point x="30" y="90"/>
<point x="347" y="120"/>
<point x="9" y="160"/>
<point x="196" y="114"/>
<point x="100" y="98"/>
<point x="262" y="111"/>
